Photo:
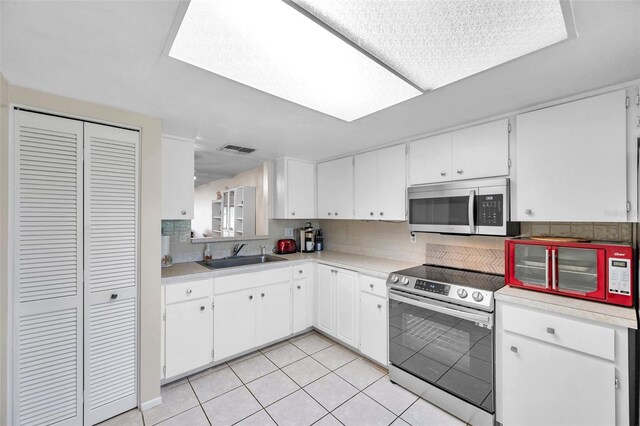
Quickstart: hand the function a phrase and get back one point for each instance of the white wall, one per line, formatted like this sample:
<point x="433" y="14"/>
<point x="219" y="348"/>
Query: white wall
<point x="204" y="194"/>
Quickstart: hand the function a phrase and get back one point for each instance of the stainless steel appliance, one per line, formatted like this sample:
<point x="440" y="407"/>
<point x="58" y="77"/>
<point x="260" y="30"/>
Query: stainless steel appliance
<point x="475" y="207"/>
<point x="441" y="338"/>
<point x="305" y="238"/>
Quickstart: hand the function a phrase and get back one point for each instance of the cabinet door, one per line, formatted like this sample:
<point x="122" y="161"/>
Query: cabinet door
<point x="571" y="161"/>
<point x="430" y="160"/>
<point x="189" y="335"/>
<point x="346" y="306"/>
<point x="365" y="183"/>
<point x="234" y="323"/>
<point x="544" y="384"/>
<point x="392" y="183"/>
<point x="373" y="327"/>
<point x="301" y="190"/>
<point x="301" y="290"/>
<point x="177" y="178"/>
<point x="273" y="318"/>
<point x="481" y="151"/>
<point x="324" y="300"/>
<point x="335" y="189"/>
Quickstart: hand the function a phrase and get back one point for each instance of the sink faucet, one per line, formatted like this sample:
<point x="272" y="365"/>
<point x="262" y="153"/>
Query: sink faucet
<point x="237" y="248"/>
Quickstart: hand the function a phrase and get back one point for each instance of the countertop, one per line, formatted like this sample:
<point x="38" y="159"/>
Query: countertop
<point x="374" y="266"/>
<point x="595" y="311"/>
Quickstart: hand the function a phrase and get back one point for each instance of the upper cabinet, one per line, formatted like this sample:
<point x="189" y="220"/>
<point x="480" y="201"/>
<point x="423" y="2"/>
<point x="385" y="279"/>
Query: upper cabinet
<point x="295" y="189"/>
<point x="380" y="184"/>
<point x="572" y="161"/>
<point x="335" y="189"/>
<point x="177" y="178"/>
<point x="475" y="152"/>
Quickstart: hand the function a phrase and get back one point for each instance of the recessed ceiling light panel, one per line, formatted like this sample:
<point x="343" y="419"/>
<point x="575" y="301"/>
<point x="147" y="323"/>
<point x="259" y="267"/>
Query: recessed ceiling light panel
<point x="268" y="45"/>
<point x="435" y="42"/>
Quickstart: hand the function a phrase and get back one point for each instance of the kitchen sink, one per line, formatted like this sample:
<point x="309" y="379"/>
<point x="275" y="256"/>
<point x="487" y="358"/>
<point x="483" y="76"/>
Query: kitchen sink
<point x="232" y="261"/>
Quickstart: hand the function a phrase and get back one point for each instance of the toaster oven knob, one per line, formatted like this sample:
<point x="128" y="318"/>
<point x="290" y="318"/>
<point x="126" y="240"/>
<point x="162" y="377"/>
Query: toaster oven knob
<point x="477" y="296"/>
<point x="394" y="278"/>
<point x="462" y="293"/>
<point x="404" y="281"/>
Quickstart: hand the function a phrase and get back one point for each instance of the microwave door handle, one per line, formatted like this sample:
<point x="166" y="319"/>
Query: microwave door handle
<point x="546" y="269"/>
<point x="471" y="212"/>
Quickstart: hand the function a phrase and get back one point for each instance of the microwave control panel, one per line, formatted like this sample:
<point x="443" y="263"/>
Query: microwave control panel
<point x="619" y="276"/>
<point x="490" y="210"/>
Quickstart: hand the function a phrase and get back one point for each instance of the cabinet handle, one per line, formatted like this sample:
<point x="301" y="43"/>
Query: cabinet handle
<point x="371" y="214"/>
<point x="381" y="213"/>
<point x="114" y="296"/>
<point x="298" y="287"/>
<point x="335" y="214"/>
<point x="188" y="291"/>
<point x="250" y="297"/>
<point x="551" y="330"/>
<point x="293" y="213"/>
<point x="202" y="308"/>
<point x="371" y="285"/>
<point x="300" y="271"/>
<point x="379" y="306"/>
<point x="527" y="211"/>
<point x="459" y="171"/>
<point x="443" y="173"/>
<point x="329" y="213"/>
<point x="183" y="212"/>
<point x="514" y="349"/>
<point x="261" y="294"/>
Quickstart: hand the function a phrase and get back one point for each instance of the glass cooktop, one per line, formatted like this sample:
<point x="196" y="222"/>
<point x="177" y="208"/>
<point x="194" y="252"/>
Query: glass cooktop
<point x="461" y="277"/>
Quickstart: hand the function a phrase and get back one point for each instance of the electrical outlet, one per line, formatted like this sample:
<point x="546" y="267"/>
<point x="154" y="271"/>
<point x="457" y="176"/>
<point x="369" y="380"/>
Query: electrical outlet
<point x="413" y="238"/>
<point x="288" y="232"/>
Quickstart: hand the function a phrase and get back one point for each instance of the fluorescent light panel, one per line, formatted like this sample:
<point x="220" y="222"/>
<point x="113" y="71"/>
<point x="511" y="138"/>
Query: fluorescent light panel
<point x="434" y="43"/>
<point x="270" y="46"/>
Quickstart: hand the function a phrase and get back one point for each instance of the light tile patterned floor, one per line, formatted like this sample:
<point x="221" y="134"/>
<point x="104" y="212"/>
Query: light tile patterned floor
<point x="307" y="380"/>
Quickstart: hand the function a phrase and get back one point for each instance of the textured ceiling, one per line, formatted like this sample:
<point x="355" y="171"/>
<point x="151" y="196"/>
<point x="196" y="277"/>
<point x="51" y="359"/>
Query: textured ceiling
<point x="111" y="53"/>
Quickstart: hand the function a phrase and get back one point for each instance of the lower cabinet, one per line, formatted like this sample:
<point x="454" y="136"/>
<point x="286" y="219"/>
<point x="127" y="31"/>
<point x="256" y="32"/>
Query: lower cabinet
<point x="302" y="297"/>
<point x="337" y="303"/>
<point x="251" y="310"/>
<point x="373" y="327"/>
<point x="552" y="369"/>
<point x="188" y="327"/>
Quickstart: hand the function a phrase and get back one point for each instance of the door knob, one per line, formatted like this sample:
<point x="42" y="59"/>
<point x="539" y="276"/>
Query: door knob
<point x="202" y="308"/>
<point x="443" y="173"/>
<point x="250" y="297"/>
<point x="188" y="291"/>
<point x="459" y="171"/>
<point x="183" y="212"/>
<point x="371" y="214"/>
<point x="336" y="214"/>
<point x="551" y="330"/>
<point x="381" y="213"/>
<point x="379" y="306"/>
<point x="114" y="296"/>
<point x="298" y="287"/>
<point x="261" y="294"/>
<point x="514" y="349"/>
<point x="371" y="285"/>
<point x="293" y="213"/>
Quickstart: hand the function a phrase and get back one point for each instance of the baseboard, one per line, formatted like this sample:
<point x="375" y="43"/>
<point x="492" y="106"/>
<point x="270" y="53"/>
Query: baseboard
<point x="151" y="403"/>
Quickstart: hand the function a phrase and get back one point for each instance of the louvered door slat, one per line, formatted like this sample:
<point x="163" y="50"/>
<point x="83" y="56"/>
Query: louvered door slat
<point x="47" y="290"/>
<point x="111" y="267"/>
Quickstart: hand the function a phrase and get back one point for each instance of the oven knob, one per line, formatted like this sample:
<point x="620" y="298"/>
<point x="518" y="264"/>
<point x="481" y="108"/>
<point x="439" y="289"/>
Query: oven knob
<point x="477" y="296"/>
<point x="462" y="293"/>
<point x="404" y="281"/>
<point x="394" y="278"/>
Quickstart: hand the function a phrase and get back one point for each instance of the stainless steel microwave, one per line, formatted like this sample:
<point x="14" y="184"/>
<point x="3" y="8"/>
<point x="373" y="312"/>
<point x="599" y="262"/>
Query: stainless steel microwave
<point x="474" y="207"/>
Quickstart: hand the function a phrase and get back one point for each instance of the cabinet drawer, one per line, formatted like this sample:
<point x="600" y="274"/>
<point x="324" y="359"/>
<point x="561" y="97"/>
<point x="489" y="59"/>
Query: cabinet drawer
<point x="569" y="333"/>
<point x="302" y="271"/>
<point x="373" y="285"/>
<point x="251" y="280"/>
<point x="188" y="291"/>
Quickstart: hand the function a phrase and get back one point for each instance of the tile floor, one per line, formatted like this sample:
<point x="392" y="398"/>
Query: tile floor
<point x="307" y="380"/>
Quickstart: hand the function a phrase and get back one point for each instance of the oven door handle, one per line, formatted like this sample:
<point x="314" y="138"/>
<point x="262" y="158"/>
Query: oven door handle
<point x="484" y="319"/>
<point x="471" y="211"/>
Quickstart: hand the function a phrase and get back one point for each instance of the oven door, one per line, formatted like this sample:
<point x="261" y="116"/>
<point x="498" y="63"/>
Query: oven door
<point x="448" y="346"/>
<point x="447" y="211"/>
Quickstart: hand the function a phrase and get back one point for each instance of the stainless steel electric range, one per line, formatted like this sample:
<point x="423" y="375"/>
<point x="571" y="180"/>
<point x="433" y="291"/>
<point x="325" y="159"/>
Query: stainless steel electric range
<point x="441" y="339"/>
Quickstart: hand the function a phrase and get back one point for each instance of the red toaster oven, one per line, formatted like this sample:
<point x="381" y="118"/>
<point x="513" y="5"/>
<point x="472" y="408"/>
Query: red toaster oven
<point x="596" y="271"/>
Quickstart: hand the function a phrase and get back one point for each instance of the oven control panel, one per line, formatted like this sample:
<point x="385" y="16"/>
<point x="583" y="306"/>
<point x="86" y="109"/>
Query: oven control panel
<point x="432" y="287"/>
<point x="620" y="276"/>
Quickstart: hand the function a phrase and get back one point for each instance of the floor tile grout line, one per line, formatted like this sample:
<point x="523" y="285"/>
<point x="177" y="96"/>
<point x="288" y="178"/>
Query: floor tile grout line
<point x="199" y="402"/>
<point x="254" y="397"/>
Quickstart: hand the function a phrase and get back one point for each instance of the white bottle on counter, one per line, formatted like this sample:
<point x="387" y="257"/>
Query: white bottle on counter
<point x="207" y="252"/>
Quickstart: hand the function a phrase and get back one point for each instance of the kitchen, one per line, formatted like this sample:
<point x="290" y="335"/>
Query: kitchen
<point x="105" y="123"/>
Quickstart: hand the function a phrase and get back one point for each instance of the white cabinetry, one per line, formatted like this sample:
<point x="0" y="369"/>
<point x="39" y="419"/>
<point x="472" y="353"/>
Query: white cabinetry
<point x="295" y="189"/>
<point x="373" y="318"/>
<point x="177" y="177"/>
<point x="337" y="303"/>
<point x="335" y="189"/>
<point x="302" y="297"/>
<point x="188" y="315"/>
<point x="571" y="161"/>
<point x="251" y="310"/>
<point x="474" y="152"/>
<point x="554" y="369"/>
<point x="380" y="184"/>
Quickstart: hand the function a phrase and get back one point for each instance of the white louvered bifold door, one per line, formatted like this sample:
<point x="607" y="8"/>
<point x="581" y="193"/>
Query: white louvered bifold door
<point x="111" y="270"/>
<point x="47" y="270"/>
